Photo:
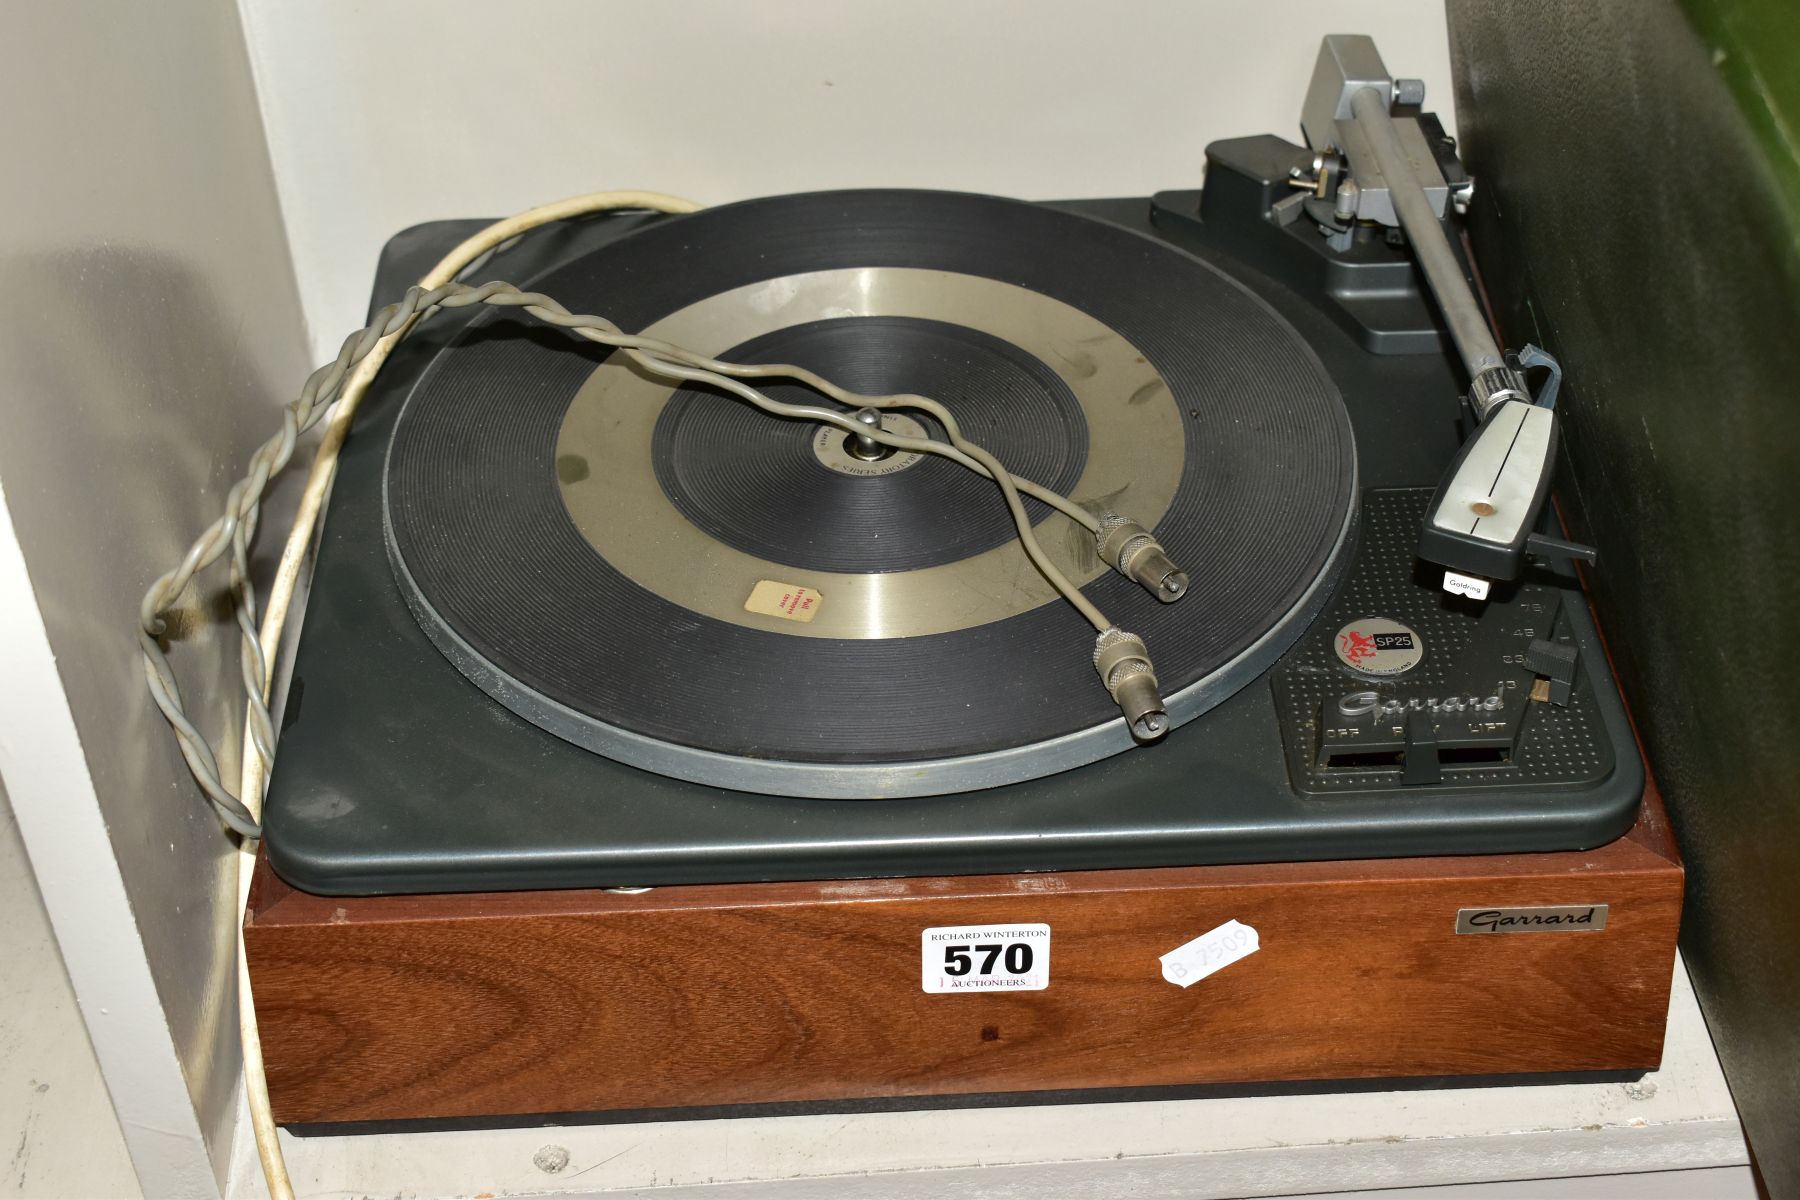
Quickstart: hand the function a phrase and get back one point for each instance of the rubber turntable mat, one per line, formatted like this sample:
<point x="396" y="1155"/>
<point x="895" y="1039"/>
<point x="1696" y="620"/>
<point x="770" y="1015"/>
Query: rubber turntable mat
<point x="477" y="517"/>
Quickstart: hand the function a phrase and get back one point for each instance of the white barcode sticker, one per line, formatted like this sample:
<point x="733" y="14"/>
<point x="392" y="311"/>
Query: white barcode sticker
<point x="1193" y="961"/>
<point x="985" y="958"/>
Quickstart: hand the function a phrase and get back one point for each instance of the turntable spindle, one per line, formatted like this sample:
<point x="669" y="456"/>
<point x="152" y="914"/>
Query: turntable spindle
<point x="861" y="445"/>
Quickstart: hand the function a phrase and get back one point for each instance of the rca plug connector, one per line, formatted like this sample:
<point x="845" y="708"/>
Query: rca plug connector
<point x="1124" y="666"/>
<point x="1134" y="552"/>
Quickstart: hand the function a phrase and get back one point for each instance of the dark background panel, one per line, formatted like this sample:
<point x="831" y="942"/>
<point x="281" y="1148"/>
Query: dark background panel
<point x="1636" y="215"/>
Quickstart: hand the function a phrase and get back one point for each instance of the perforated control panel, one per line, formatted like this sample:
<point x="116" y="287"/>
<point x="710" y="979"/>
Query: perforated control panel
<point x="1468" y="709"/>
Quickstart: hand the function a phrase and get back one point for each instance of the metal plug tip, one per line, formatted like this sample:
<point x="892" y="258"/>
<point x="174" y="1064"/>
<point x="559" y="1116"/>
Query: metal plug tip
<point x="1124" y="667"/>
<point x="1142" y="704"/>
<point x="1151" y="727"/>
<point x="1156" y="574"/>
<point x="1134" y="552"/>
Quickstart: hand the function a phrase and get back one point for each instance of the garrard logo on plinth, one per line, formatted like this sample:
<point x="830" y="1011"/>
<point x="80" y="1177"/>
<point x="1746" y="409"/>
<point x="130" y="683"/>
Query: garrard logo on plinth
<point x="1572" y="918"/>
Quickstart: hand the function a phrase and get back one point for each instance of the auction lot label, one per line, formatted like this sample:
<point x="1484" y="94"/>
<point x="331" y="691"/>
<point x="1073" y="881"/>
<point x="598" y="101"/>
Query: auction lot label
<point x="985" y="958"/>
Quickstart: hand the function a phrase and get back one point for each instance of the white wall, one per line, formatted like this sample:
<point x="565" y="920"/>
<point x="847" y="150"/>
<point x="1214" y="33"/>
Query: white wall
<point x="51" y="1093"/>
<point x="149" y="328"/>
<point x="384" y="115"/>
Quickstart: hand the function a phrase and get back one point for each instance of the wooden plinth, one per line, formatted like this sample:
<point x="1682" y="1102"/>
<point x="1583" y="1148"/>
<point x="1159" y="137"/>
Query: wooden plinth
<point x="501" y="1004"/>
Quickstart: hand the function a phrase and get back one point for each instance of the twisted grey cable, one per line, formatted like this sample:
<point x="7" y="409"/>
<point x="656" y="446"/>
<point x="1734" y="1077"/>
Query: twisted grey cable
<point x="232" y="532"/>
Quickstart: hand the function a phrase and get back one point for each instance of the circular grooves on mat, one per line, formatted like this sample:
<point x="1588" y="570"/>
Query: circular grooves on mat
<point x="509" y="589"/>
<point x="755" y="483"/>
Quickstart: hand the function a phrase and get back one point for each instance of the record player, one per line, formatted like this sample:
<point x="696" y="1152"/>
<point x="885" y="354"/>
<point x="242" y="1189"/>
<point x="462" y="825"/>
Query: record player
<point x="573" y="627"/>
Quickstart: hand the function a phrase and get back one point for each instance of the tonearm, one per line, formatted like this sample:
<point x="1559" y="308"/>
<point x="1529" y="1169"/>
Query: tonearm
<point x="1373" y="164"/>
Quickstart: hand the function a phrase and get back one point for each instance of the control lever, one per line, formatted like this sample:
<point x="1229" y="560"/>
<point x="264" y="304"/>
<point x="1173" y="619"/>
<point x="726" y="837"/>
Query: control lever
<point x="1556" y="550"/>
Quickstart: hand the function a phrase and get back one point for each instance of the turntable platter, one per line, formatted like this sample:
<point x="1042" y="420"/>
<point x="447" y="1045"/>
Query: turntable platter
<point x="666" y="577"/>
